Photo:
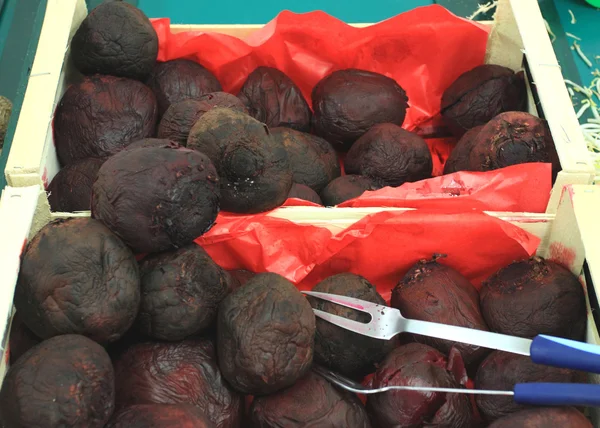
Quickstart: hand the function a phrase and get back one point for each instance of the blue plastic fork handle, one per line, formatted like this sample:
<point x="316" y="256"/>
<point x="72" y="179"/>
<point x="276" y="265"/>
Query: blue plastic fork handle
<point x="558" y="352"/>
<point x="557" y="394"/>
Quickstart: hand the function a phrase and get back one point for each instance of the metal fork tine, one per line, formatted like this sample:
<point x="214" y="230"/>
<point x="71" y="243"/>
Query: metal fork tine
<point x="358" y="327"/>
<point x="349" y="302"/>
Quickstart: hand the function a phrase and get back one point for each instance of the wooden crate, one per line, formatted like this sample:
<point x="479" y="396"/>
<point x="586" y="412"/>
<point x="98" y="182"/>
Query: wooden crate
<point x="572" y="227"/>
<point x="517" y="33"/>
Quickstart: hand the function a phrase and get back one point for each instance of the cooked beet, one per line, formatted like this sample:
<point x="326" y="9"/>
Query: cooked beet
<point x="117" y="39"/>
<point x="347" y="103"/>
<point x="91" y="286"/>
<point x="71" y="189"/>
<point x="181" y="291"/>
<point x="532" y="297"/>
<point x="416" y="364"/>
<point x="265" y="335"/>
<point x="167" y="197"/>
<point x="177" y="373"/>
<point x="480" y="94"/>
<point x="313" y="160"/>
<point x="460" y="154"/>
<point x="21" y="339"/>
<point x="341" y="350"/>
<point x="241" y="276"/>
<point x="391" y="155"/>
<point x="433" y="292"/>
<point x="152" y="142"/>
<point x="513" y="138"/>
<point x="180" y="79"/>
<point x="160" y="416"/>
<point x="178" y="119"/>
<point x="274" y="99"/>
<point x="100" y="115"/>
<point x="254" y="167"/>
<point x="563" y="417"/>
<point x="65" y="381"/>
<point x="347" y="187"/>
<point x="312" y="402"/>
<point x="300" y="191"/>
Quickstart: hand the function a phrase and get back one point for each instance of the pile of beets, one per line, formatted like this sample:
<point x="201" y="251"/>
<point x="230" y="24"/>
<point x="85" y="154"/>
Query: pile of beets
<point x="102" y="338"/>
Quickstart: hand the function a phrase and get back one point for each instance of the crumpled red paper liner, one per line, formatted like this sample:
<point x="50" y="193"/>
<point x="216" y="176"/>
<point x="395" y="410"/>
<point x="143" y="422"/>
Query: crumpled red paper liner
<point x="424" y="50"/>
<point x="381" y="247"/>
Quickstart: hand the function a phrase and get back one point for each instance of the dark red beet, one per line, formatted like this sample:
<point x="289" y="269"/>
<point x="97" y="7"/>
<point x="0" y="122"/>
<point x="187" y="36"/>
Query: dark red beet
<point x="300" y="191"/>
<point x="21" y="340"/>
<point x="71" y="189"/>
<point x="347" y="187"/>
<point x="312" y="402"/>
<point x="418" y="365"/>
<point x="167" y="197"/>
<point x="433" y="292"/>
<point x="177" y="373"/>
<point x="482" y="93"/>
<point x="160" y="416"/>
<point x="178" y="119"/>
<point x="341" y="350"/>
<point x="265" y="335"/>
<point x="241" y="276"/>
<point x="253" y="167"/>
<point x="391" y="155"/>
<point x="274" y="99"/>
<point x="459" y="157"/>
<point x="563" y="417"/>
<point x="181" y="291"/>
<point x="100" y="116"/>
<point x="117" y="39"/>
<point x="152" y="142"/>
<point x="347" y="103"/>
<point x="180" y="79"/>
<point x="534" y="297"/>
<point x="313" y="160"/>
<point x="65" y="381"/>
<point x="502" y="370"/>
<point x="90" y="287"/>
<point x="513" y="138"/>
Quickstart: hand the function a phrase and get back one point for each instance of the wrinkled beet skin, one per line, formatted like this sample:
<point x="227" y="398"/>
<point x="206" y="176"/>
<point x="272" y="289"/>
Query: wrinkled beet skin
<point x="391" y="155"/>
<point x="347" y="103"/>
<point x="21" y="340"/>
<point x="178" y="119"/>
<point x="64" y="381"/>
<point x="117" y="39"/>
<point x="177" y="373"/>
<point x="342" y="350"/>
<point x="563" y="417"/>
<point x="312" y="402"/>
<point x="265" y="335"/>
<point x="100" y="115"/>
<point x="300" y="191"/>
<point x="178" y="80"/>
<point x="433" y="292"/>
<point x="347" y="187"/>
<point x="253" y="167"/>
<point x="146" y="143"/>
<point x="480" y="94"/>
<point x="167" y="197"/>
<point x="241" y="277"/>
<point x="160" y="416"/>
<point x="459" y="156"/>
<point x="513" y="138"/>
<point x="274" y="99"/>
<point x="313" y="160"/>
<point x="502" y="370"/>
<point x="417" y="365"/>
<point x="62" y="292"/>
<point x="534" y="297"/>
<point x="181" y="291"/>
<point x="71" y="189"/>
